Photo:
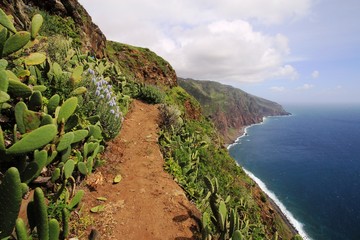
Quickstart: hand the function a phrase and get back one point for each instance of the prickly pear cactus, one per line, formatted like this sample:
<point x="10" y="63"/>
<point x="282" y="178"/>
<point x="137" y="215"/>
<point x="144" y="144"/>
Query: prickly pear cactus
<point x="10" y="201"/>
<point x="34" y="140"/>
<point x="67" y="109"/>
<point x="54" y="229"/>
<point x="16" y="42"/>
<point x="36" y="22"/>
<point x="21" y="231"/>
<point x="41" y="214"/>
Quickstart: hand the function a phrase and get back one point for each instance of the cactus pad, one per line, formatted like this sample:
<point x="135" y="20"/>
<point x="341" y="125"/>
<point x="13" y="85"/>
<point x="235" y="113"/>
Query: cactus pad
<point x="21" y="232"/>
<point x="2" y="141"/>
<point x="5" y="21"/>
<point x="18" y="89"/>
<point x="55" y="175"/>
<point x="36" y="22"/>
<point x="10" y="201"/>
<point x="42" y="222"/>
<point x="69" y="168"/>
<point x="82" y="168"/>
<point x="46" y="119"/>
<point x="35" y="101"/>
<point x="35" y="59"/>
<point x="76" y="199"/>
<point x="4" y="81"/>
<point x="67" y="109"/>
<point x="34" y="140"/>
<point x="16" y="42"/>
<point x="237" y="235"/>
<point x="54" y="230"/>
<point x="3" y="36"/>
<point x="40" y="88"/>
<point x="65" y="141"/>
<point x="53" y="103"/>
<point x="80" y="135"/>
<point x="4" y="97"/>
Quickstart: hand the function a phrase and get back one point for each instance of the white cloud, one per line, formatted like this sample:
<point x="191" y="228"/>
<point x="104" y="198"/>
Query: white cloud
<point x="306" y="86"/>
<point x="315" y="74"/>
<point x="205" y="39"/>
<point x="286" y="71"/>
<point x="277" y="89"/>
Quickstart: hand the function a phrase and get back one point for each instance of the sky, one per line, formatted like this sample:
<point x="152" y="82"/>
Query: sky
<point x="288" y="51"/>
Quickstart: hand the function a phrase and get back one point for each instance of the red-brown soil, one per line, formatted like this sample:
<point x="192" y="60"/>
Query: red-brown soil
<point x="147" y="203"/>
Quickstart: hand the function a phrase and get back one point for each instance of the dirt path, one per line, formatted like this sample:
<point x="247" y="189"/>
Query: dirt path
<point x="147" y="203"/>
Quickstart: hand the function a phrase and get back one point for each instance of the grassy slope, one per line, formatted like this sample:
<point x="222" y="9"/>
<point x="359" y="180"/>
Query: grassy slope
<point x="215" y="160"/>
<point x="229" y="107"/>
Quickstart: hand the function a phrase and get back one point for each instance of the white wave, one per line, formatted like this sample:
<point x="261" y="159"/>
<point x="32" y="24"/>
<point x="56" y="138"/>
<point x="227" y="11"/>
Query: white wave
<point x="245" y="132"/>
<point x="297" y="225"/>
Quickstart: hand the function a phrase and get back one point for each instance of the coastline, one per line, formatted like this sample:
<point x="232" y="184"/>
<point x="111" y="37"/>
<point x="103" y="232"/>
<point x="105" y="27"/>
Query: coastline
<point x="276" y="205"/>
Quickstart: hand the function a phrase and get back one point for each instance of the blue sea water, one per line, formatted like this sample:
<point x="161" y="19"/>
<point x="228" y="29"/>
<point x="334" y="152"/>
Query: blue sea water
<point x="310" y="163"/>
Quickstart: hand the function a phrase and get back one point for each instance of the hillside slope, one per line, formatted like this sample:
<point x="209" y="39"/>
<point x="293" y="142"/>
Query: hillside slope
<point x="140" y="64"/>
<point x="230" y="108"/>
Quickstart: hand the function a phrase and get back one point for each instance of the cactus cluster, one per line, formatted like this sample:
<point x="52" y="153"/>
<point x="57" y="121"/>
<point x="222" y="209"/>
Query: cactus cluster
<point x="227" y="222"/>
<point x="45" y="134"/>
<point x="182" y="149"/>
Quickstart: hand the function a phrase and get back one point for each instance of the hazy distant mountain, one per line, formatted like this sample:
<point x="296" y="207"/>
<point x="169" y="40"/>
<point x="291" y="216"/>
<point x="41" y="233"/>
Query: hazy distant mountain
<point x="230" y="108"/>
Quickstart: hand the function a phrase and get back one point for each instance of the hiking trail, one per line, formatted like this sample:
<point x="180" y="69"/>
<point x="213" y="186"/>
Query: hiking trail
<point x="147" y="203"/>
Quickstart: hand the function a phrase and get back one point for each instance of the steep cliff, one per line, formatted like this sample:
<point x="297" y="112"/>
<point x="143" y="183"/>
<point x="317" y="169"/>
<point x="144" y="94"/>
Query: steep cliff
<point x="92" y="39"/>
<point x="230" y="108"/>
<point x="141" y="64"/>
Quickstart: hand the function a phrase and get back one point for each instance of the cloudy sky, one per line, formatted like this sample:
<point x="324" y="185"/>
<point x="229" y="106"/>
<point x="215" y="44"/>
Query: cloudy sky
<point x="284" y="50"/>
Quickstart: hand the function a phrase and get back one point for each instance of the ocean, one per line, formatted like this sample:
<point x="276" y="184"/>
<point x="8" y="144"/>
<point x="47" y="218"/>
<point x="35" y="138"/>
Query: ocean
<point x="309" y="163"/>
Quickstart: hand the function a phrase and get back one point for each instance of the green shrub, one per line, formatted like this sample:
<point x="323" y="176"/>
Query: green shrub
<point x="151" y="94"/>
<point x="170" y="116"/>
<point x="57" y="25"/>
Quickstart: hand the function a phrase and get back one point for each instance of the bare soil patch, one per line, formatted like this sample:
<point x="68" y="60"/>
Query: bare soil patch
<point x="147" y="203"/>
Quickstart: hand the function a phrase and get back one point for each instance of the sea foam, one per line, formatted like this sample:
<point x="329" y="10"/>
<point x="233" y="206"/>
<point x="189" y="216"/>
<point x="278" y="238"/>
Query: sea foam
<point x="295" y="223"/>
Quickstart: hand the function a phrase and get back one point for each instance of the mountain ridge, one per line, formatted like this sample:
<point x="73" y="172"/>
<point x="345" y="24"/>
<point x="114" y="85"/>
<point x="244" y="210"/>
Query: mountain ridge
<point x="230" y="108"/>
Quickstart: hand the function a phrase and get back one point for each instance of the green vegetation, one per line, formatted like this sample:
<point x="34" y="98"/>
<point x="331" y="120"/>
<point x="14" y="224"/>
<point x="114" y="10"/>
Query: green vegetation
<point x="151" y="94"/>
<point x="194" y="154"/>
<point x="59" y="106"/>
<point x="230" y="108"/>
<point x="55" y="25"/>
<point x="130" y="58"/>
<point x="51" y="129"/>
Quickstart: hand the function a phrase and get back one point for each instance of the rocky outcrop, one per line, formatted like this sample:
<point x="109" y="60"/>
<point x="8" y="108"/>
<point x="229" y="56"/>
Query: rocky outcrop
<point x="93" y="39"/>
<point x="142" y="64"/>
<point x="231" y="109"/>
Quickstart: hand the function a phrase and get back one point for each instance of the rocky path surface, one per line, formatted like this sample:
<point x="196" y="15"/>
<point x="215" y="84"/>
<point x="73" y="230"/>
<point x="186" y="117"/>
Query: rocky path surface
<point x="147" y="203"/>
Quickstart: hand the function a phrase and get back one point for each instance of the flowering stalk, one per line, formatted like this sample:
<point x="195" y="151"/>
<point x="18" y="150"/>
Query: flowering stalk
<point x="106" y="104"/>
